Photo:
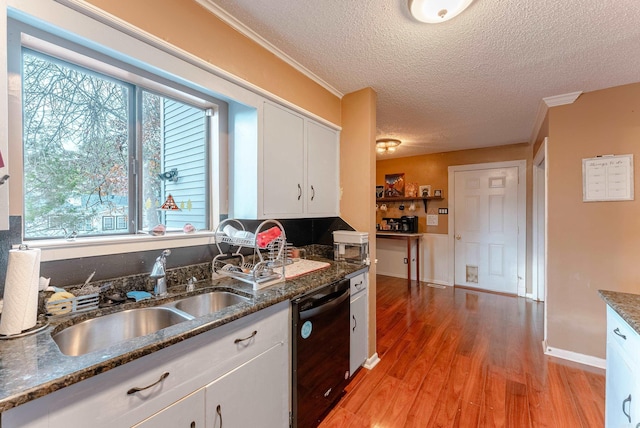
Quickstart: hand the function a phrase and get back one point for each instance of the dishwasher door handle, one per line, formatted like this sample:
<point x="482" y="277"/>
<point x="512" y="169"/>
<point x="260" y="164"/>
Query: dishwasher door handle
<point x="325" y="306"/>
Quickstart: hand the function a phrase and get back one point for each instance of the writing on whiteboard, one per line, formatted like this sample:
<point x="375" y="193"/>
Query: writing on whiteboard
<point x="607" y="179"/>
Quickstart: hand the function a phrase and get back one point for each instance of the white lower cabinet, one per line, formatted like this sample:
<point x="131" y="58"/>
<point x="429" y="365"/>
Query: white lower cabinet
<point x="252" y="394"/>
<point x="358" y="350"/>
<point x="623" y="374"/>
<point x="173" y="380"/>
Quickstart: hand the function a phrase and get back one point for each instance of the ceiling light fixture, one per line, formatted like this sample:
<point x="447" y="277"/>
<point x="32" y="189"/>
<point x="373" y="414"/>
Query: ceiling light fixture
<point x="435" y="11"/>
<point x="387" y="145"/>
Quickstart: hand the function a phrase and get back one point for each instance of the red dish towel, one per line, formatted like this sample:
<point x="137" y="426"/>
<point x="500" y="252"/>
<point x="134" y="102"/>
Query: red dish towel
<point x="264" y="238"/>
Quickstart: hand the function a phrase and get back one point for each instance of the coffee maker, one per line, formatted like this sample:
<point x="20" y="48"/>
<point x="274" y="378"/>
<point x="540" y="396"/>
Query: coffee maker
<point x="409" y="224"/>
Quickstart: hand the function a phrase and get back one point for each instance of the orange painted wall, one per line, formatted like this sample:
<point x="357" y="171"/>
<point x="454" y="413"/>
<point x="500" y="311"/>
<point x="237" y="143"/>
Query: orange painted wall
<point x="194" y="29"/>
<point x="432" y="169"/>
<point x="594" y="245"/>
<point x="357" y="179"/>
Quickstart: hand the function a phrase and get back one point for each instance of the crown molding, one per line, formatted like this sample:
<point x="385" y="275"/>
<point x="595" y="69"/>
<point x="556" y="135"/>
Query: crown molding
<point x="560" y="100"/>
<point x="239" y="26"/>
<point x="543" y="108"/>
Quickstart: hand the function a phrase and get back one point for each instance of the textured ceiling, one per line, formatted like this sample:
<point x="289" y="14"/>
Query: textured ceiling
<point x="474" y="81"/>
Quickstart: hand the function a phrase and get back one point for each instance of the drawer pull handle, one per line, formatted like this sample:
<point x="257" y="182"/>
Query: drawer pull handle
<point x="162" y="377"/>
<point x="617" y="331"/>
<point x="625" y="401"/>
<point x="219" y="412"/>
<point x="246" y="338"/>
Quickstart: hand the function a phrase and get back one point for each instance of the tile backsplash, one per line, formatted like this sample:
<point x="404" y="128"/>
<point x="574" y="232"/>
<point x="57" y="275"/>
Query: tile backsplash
<point x="300" y="232"/>
<point x="10" y="237"/>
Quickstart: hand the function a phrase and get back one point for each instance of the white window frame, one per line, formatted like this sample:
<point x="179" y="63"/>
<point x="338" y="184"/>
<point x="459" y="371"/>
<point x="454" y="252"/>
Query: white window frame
<point x="167" y="65"/>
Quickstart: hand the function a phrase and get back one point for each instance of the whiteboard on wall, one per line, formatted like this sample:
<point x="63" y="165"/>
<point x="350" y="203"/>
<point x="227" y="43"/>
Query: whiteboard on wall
<point x="607" y="178"/>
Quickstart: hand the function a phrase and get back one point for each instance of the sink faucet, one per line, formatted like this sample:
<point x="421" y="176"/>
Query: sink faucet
<point x="158" y="273"/>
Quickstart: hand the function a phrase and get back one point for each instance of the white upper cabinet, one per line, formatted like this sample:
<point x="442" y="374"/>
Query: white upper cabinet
<point x="283" y="162"/>
<point x="289" y="168"/>
<point x="322" y="189"/>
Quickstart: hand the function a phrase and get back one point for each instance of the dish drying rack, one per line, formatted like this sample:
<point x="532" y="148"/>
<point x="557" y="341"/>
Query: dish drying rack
<point x="73" y="304"/>
<point x="267" y="263"/>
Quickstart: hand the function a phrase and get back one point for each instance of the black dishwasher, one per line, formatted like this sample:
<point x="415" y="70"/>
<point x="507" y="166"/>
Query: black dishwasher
<point x="320" y="352"/>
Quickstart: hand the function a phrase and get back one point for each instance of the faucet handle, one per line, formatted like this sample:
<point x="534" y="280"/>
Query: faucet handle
<point x="191" y="284"/>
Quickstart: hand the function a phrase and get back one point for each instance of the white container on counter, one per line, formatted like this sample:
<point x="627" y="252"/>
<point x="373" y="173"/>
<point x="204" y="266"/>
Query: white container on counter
<point x="351" y="246"/>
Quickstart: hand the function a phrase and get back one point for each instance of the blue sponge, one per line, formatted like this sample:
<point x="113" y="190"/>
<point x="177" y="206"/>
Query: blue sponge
<point x="138" y="295"/>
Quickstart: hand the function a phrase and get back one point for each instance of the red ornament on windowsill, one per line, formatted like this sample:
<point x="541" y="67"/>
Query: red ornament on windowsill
<point x="170" y="205"/>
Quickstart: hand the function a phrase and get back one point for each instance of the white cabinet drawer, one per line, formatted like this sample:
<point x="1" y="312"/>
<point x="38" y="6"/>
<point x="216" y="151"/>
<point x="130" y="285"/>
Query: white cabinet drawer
<point x="621" y="333"/>
<point x="173" y="372"/>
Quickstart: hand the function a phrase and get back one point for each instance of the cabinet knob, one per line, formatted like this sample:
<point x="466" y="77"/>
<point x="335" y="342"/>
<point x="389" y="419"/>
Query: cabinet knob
<point x="246" y="338"/>
<point x="617" y="331"/>
<point x="458" y="237"/>
<point x="625" y="401"/>
<point x="137" y="389"/>
<point x="219" y="412"/>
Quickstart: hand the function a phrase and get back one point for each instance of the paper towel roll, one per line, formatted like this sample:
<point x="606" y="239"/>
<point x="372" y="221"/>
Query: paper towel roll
<point x="20" y="311"/>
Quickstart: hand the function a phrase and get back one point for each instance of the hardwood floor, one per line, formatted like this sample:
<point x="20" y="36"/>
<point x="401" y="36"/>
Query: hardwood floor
<point x="461" y="358"/>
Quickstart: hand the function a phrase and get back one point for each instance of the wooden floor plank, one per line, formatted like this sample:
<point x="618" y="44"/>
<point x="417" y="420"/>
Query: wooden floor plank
<point x="462" y="358"/>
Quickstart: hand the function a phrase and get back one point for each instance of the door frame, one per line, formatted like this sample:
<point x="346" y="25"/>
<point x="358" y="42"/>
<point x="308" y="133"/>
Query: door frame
<point x="521" y="215"/>
<point x="539" y="226"/>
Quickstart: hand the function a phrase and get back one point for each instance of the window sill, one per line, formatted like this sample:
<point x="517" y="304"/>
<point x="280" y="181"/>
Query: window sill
<point x="58" y="249"/>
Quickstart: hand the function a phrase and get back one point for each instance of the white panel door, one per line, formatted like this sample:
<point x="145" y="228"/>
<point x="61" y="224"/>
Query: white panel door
<point x="486" y="229"/>
<point x="322" y="170"/>
<point x="283" y="162"/>
<point x="256" y="394"/>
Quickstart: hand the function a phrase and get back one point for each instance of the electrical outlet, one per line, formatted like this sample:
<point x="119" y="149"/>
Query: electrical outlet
<point x="443" y="210"/>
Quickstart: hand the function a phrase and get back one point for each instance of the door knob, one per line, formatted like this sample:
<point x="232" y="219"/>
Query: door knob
<point x="458" y="237"/>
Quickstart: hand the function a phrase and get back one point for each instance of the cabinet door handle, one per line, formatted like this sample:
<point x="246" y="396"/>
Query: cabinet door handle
<point x="355" y="322"/>
<point x="625" y="401"/>
<point x="219" y="412"/>
<point x="359" y="285"/>
<point x="136" y="389"/>
<point x="246" y="338"/>
<point x="617" y="331"/>
<point x="313" y="193"/>
<point x="299" y="191"/>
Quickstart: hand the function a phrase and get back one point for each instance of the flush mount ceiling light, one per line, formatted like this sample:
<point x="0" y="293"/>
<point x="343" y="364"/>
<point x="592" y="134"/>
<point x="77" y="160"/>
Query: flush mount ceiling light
<point x="435" y="11"/>
<point x="387" y="145"/>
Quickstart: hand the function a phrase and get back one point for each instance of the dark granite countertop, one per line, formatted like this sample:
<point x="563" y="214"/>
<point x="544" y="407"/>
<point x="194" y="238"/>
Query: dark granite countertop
<point x="627" y="305"/>
<point x="33" y="366"/>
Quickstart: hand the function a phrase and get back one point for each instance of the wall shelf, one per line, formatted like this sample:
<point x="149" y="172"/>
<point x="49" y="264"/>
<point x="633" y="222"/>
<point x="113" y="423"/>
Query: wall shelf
<point x="424" y="200"/>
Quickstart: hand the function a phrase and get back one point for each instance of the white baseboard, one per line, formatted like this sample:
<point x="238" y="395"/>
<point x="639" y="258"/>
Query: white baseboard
<point x="437" y="282"/>
<point x="393" y="274"/>
<point x="371" y="362"/>
<point x="589" y="360"/>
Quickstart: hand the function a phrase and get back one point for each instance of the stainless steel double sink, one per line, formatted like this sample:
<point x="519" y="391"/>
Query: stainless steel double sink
<point x="101" y="332"/>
